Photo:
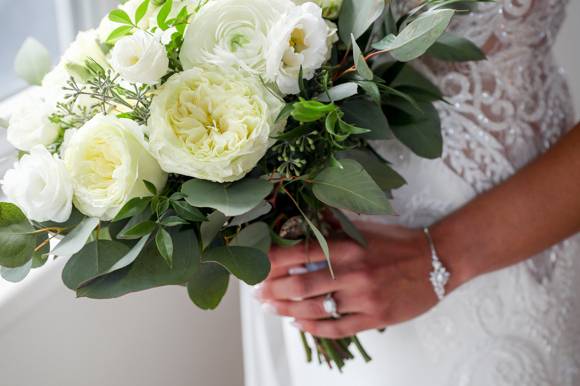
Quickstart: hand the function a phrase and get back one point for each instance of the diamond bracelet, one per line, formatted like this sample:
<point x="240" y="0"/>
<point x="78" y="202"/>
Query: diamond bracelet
<point x="439" y="277"/>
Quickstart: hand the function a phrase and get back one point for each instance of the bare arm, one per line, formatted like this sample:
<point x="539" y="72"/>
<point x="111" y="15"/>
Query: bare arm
<point x="533" y="210"/>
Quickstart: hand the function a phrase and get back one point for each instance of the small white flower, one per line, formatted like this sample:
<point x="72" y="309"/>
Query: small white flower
<point x="330" y="8"/>
<point x="29" y="124"/>
<point x="108" y="160"/>
<point x="298" y="40"/>
<point x="140" y="58"/>
<point x="40" y="186"/>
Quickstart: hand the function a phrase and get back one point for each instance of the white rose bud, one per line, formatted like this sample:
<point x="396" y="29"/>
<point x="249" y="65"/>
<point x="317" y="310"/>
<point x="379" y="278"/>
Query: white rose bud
<point x="40" y="186"/>
<point x="108" y="161"/>
<point x="140" y="58"/>
<point x="298" y="40"/>
<point x="330" y="8"/>
<point x="29" y="125"/>
<point x="212" y="123"/>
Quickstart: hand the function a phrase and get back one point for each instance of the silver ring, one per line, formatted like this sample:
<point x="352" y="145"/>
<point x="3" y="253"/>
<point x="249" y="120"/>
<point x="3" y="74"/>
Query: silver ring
<point x="330" y="307"/>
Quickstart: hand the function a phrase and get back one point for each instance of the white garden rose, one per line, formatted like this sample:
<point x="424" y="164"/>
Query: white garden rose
<point x="29" y="124"/>
<point x="298" y="40"/>
<point x="226" y="32"/>
<point x="330" y="8"/>
<point x="40" y="186"/>
<point x="108" y="161"/>
<point x="212" y="123"/>
<point x="140" y="58"/>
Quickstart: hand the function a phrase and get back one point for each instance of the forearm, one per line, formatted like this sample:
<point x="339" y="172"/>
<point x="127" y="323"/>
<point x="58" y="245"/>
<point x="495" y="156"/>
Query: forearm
<point x="533" y="210"/>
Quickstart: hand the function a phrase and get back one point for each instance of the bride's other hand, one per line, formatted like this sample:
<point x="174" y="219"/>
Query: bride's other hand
<point x="384" y="284"/>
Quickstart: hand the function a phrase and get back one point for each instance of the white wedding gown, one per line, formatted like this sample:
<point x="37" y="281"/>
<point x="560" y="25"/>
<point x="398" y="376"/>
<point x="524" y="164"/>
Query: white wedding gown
<point x="519" y="326"/>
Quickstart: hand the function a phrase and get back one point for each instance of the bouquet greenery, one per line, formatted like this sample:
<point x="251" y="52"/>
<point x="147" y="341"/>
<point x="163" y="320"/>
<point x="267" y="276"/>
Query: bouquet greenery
<point x="174" y="144"/>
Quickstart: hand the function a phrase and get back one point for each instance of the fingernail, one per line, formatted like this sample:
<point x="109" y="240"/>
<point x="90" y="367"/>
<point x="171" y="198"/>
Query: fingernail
<point x="268" y="308"/>
<point x="297" y="271"/>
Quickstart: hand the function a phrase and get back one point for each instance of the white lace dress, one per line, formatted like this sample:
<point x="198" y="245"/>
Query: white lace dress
<point x="519" y="326"/>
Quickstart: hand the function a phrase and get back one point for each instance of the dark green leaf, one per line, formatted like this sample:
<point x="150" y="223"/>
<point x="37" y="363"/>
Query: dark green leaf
<point x="187" y="212"/>
<point x="256" y="235"/>
<point x="164" y="244"/>
<point x="379" y="170"/>
<point x="260" y="210"/>
<point x="150" y="187"/>
<point x="349" y="228"/>
<point x="455" y="48"/>
<point x="248" y="264"/>
<point x="366" y="114"/>
<point x="173" y="221"/>
<point x="360" y="63"/>
<point x="132" y="208"/>
<point x="208" y="286"/>
<point x="211" y="228"/>
<point x="16" y="241"/>
<point x="137" y="231"/>
<point x="356" y="16"/>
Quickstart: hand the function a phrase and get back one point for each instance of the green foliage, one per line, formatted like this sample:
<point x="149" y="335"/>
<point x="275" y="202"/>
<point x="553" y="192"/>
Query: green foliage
<point x="211" y="228"/>
<point x="77" y="238"/>
<point x="16" y="275"/>
<point x="349" y="228"/>
<point x="256" y="235"/>
<point x="164" y="244"/>
<point x="356" y="16"/>
<point x="364" y="113"/>
<point x="208" y="285"/>
<point x="17" y="242"/>
<point x="453" y="48"/>
<point x="250" y="265"/>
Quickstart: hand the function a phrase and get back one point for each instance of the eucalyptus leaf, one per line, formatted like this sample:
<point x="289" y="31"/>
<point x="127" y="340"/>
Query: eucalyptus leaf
<point x="453" y="48"/>
<point x="230" y="199"/>
<point x="17" y="242"/>
<point x="208" y="286"/>
<point x="349" y="228"/>
<point x="149" y="270"/>
<point x="250" y="265"/>
<point x="417" y="37"/>
<point x="356" y="16"/>
<point x="351" y="188"/>
<point x="32" y="62"/>
<point x="77" y="238"/>
<point x="339" y="92"/>
<point x="366" y="114"/>
<point x="16" y="275"/>
<point x="360" y="63"/>
<point x="260" y="210"/>
<point x="381" y="172"/>
<point x="211" y="228"/>
<point x="256" y="235"/>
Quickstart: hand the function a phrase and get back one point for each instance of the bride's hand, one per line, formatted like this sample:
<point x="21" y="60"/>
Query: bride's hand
<point x="382" y="285"/>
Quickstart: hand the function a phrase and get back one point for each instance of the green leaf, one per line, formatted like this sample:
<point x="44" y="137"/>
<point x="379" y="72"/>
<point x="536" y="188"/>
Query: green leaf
<point x="230" y="199"/>
<point x="132" y="208"/>
<point x="120" y="16"/>
<point x="260" y="210"/>
<point x="351" y="188"/>
<point x="349" y="228"/>
<point x="119" y="33"/>
<point x="163" y="14"/>
<point x="77" y="238"/>
<point x="173" y="221"/>
<point x="164" y="244"/>
<point x="149" y="270"/>
<point x="32" y="62"/>
<point x="420" y="132"/>
<point x="366" y="114"/>
<point x="381" y="172"/>
<point x="150" y="187"/>
<point x="453" y="48"/>
<point x="16" y="241"/>
<point x="411" y="81"/>
<point x="211" y="228"/>
<point x="187" y="212"/>
<point x="417" y="37"/>
<point x="94" y="259"/>
<point x="16" y="275"/>
<point x="137" y="231"/>
<point x="306" y="111"/>
<point x="208" y="286"/>
<point x="256" y="235"/>
<point x="250" y="265"/>
<point x="356" y="16"/>
<point x="361" y="65"/>
<point x="141" y="11"/>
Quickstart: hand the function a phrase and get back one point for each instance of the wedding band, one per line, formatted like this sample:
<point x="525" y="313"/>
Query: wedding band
<point x="330" y="306"/>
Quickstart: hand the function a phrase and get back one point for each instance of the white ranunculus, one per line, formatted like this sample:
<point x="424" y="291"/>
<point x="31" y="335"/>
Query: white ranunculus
<point x="29" y="124"/>
<point x="40" y="186"/>
<point x="226" y="32"/>
<point x="330" y="8"/>
<point x="108" y="161"/>
<point x="298" y="40"/>
<point x="140" y="58"/>
<point x="212" y="123"/>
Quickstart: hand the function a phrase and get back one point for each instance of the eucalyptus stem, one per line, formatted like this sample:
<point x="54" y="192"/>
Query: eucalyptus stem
<point x="361" y="349"/>
<point x="307" y="348"/>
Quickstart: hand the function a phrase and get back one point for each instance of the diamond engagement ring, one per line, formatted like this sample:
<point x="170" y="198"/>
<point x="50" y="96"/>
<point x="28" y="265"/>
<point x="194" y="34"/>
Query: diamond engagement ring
<point x="330" y="306"/>
<point x="439" y="277"/>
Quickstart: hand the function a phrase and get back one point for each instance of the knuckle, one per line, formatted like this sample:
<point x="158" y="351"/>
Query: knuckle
<point x="298" y="287"/>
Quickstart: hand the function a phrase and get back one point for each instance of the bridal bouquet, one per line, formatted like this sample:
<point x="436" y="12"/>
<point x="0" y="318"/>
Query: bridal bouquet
<point x="175" y="143"/>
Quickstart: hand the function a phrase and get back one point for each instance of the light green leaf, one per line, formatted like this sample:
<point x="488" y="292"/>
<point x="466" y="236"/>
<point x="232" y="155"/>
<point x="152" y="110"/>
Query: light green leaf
<point x="230" y="199"/>
<point x="16" y="275"/>
<point x="361" y="65"/>
<point x="32" y="62"/>
<point x="120" y="16"/>
<point x="77" y="238"/>
<point x="351" y="188"/>
<point x="416" y="38"/>
<point x="356" y="16"/>
<point x="379" y="170"/>
<point x="208" y="286"/>
<point x="210" y="229"/>
<point x="256" y="235"/>
<point x="163" y="14"/>
<point x="164" y="244"/>
<point x="248" y="264"/>
<point x="93" y="260"/>
<point x="260" y="210"/>
<point x="453" y="48"/>
<point x="141" y="11"/>
<point x="16" y="241"/>
<point x="119" y="33"/>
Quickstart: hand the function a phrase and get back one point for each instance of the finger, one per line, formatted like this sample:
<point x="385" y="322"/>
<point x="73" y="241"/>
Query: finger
<point x="302" y="254"/>
<point x="299" y="287"/>
<point x="313" y="309"/>
<point x="347" y="326"/>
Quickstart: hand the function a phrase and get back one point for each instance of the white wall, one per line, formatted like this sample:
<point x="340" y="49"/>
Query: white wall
<point x="568" y="50"/>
